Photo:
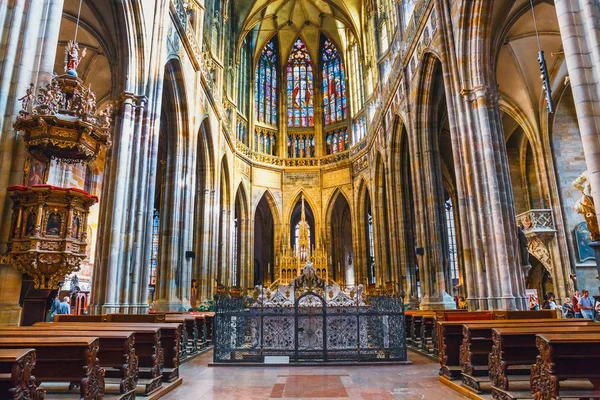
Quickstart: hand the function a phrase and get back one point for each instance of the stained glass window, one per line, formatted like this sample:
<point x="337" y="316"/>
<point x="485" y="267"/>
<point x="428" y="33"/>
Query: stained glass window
<point x="154" y="254"/>
<point x="357" y="92"/>
<point x="266" y="85"/>
<point x="452" y="247"/>
<point x="300" y="108"/>
<point x="242" y="83"/>
<point x="371" y="243"/>
<point x="336" y="141"/>
<point x="334" y="84"/>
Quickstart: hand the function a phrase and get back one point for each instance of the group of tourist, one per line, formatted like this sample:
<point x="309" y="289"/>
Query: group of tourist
<point x="59" y="307"/>
<point x="580" y="306"/>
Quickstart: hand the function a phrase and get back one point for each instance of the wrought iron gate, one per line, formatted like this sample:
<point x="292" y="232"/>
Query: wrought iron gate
<point x="311" y="329"/>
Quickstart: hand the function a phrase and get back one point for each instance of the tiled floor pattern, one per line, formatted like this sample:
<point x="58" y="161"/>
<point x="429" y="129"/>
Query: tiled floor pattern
<point x="367" y="382"/>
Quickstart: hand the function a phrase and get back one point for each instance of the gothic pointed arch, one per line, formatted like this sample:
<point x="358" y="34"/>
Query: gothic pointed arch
<point x="203" y="210"/>
<point x="240" y="273"/>
<point x="172" y="203"/>
<point x="339" y="238"/>
<point x="266" y="233"/>
<point x="383" y="231"/>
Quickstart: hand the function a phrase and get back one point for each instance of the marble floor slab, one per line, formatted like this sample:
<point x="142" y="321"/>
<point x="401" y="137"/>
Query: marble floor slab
<point x="367" y="382"/>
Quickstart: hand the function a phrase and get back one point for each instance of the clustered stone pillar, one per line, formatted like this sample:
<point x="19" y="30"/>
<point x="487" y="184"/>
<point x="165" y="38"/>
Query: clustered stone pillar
<point x="494" y="277"/>
<point x="121" y="277"/>
<point x="29" y="41"/>
<point x="579" y="23"/>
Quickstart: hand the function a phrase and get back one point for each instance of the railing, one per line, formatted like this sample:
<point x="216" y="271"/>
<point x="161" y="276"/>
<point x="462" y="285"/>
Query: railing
<point x="310" y="330"/>
<point x="537" y="221"/>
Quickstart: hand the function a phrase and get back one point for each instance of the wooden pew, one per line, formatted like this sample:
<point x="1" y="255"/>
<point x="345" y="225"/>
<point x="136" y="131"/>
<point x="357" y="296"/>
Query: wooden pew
<point x="169" y="339"/>
<point x="408" y="317"/>
<point x="417" y="322"/>
<point x="16" y="379"/>
<point x="148" y="347"/>
<point x="477" y="345"/>
<point x="539" y="314"/>
<point x="514" y="351"/>
<point x="454" y="315"/>
<point x="79" y="318"/>
<point x="449" y="336"/>
<point x="61" y="359"/>
<point x="209" y="320"/>
<point x="426" y="334"/>
<point x="566" y="357"/>
<point x="116" y="353"/>
<point x="143" y="318"/>
<point x="189" y="323"/>
<point x="173" y="337"/>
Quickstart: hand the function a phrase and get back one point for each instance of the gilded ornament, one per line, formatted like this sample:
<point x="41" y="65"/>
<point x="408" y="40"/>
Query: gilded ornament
<point x="585" y="205"/>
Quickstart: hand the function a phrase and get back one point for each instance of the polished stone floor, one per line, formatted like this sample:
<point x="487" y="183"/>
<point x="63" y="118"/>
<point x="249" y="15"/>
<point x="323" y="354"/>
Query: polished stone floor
<point x="367" y="382"/>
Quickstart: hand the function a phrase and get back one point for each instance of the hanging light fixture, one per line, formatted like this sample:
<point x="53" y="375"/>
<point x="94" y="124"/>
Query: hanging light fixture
<point x="543" y="68"/>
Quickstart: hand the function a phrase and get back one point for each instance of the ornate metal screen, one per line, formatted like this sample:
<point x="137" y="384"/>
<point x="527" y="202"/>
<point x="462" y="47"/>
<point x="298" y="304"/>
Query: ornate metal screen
<point x="311" y="328"/>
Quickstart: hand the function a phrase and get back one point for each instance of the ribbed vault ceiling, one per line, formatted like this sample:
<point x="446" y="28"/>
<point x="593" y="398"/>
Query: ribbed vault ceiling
<point x="289" y="19"/>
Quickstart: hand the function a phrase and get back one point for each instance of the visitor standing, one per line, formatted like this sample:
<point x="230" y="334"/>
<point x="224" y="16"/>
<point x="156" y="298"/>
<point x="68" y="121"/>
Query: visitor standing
<point x="54" y="308"/>
<point x="586" y="304"/>
<point x="65" y="306"/>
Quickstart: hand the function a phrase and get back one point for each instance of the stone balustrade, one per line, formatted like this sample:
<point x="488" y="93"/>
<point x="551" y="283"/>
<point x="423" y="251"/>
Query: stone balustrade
<point x="537" y="222"/>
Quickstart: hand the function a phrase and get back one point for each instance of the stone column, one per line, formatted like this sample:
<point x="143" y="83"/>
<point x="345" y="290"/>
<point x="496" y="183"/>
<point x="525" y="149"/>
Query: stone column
<point x="29" y="41"/>
<point x="426" y="181"/>
<point x="579" y="23"/>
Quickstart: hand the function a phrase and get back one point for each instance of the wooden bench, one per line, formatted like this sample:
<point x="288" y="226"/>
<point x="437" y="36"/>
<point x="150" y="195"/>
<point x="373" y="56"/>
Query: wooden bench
<point x="477" y="345"/>
<point x="170" y="332"/>
<point x="200" y="321"/>
<point x="79" y="318"/>
<point x="454" y="315"/>
<point x="563" y="358"/>
<point x="61" y="359"/>
<point x="189" y="323"/>
<point x="142" y="318"/>
<point x="514" y="351"/>
<point x="148" y="347"/>
<point x="116" y="353"/>
<point x="171" y="335"/>
<point x="416" y="322"/>
<point x="449" y="335"/>
<point x="16" y="379"/>
<point x="539" y="314"/>
<point x="209" y="320"/>
<point x="408" y="317"/>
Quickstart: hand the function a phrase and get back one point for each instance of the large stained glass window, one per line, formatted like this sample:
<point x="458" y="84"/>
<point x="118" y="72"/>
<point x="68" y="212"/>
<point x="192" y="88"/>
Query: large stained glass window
<point x="300" y="108"/>
<point x="357" y="92"/>
<point x="266" y="85"/>
<point x="334" y="84"/>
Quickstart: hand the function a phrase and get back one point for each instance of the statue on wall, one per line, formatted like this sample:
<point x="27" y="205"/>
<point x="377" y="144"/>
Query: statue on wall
<point x="585" y="205"/>
<point x="523" y="245"/>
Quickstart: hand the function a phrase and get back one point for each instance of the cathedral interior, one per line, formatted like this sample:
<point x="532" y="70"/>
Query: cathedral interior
<point x="408" y="146"/>
<point x="355" y="175"/>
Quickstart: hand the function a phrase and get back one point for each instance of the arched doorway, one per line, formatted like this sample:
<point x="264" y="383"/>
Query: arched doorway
<point x="540" y="279"/>
<point x="264" y="236"/>
<point x="341" y="251"/>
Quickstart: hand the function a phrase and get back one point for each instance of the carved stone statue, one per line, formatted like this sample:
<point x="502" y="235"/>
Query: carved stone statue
<point x="27" y="99"/>
<point x="585" y="205"/>
<point x="72" y="58"/>
<point x="523" y="245"/>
